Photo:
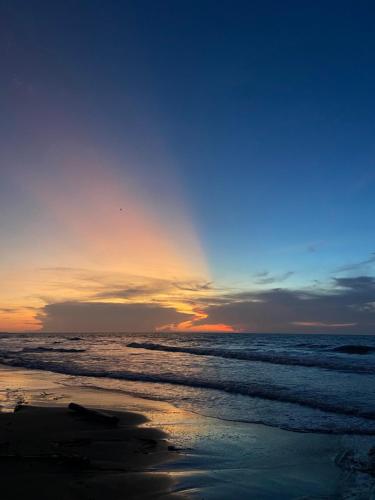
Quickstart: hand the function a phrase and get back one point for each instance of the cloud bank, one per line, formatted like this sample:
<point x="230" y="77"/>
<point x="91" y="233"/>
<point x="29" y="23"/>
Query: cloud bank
<point x="346" y="305"/>
<point x="106" y="317"/>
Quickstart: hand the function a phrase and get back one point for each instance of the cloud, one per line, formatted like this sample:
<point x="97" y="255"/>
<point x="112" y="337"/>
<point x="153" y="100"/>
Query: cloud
<point x="130" y="292"/>
<point x="344" y="304"/>
<point x="357" y="266"/>
<point x="312" y="248"/>
<point x="265" y="278"/>
<point x="65" y="284"/>
<point x="104" y="317"/>
<point x="160" y="291"/>
<point x="321" y="324"/>
<point x="358" y="285"/>
<point x="261" y="274"/>
<point x="194" y="286"/>
<point x="348" y="304"/>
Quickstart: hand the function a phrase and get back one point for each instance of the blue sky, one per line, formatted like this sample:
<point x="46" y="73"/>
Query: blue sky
<point x="248" y="125"/>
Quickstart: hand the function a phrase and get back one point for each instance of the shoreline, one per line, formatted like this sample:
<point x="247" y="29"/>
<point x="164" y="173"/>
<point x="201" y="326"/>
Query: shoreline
<point x="209" y="458"/>
<point x="47" y="450"/>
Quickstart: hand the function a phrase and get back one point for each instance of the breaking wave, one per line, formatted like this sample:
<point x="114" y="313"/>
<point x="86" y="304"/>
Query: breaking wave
<point x="267" y="392"/>
<point x="265" y="357"/>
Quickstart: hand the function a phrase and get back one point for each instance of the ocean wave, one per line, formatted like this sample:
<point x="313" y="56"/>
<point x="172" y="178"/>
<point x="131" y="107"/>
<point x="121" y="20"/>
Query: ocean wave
<point x="296" y="425"/>
<point x="271" y="392"/>
<point x="310" y="345"/>
<point x="52" y="349"/>
<point x="264" y="357"/>
<point x="354" y="349"/>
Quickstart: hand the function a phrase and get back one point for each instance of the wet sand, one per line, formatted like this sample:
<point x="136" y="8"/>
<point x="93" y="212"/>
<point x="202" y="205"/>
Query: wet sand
<point x="53" y="452"/>
<point x="210" y="458"/>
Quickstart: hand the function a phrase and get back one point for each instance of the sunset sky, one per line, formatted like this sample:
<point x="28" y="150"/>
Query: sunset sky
<point x="187" y="165"/>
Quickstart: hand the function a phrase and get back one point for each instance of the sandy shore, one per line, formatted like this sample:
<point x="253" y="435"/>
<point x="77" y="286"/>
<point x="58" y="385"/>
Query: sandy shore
<point x="52" y="452"/>
<point x="47" y="452"/>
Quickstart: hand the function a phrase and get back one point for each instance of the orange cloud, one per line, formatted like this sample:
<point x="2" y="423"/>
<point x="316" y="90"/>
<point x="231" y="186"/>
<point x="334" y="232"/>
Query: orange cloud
<point x="193" y="325"/>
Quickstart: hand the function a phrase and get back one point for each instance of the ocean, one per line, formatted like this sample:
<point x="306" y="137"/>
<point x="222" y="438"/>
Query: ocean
<point x="304" y="383"/>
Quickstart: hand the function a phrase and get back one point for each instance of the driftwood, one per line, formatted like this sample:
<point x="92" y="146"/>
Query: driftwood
<point x="94" y="415"/>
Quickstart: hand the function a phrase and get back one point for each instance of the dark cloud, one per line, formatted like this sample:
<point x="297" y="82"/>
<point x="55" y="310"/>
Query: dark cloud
<point x="104" y="317"/>
<point x="358" y="284"/>
<point x="194" y="287"/>
<point x="347" y="306"/>
<point x="130" y="292"/>
<point x="134" y="291"/>
<point x="16" y="310"/>
<point x="261" y="274"/>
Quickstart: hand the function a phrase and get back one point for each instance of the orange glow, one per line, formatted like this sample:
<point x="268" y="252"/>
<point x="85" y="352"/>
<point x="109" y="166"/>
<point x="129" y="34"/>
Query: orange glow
<point x="192" y="326"/>
<point x="218" y="327"/>
<point x="112" y="227"/>
<point x="92" y="231"/>
<point x="18" y="320"/>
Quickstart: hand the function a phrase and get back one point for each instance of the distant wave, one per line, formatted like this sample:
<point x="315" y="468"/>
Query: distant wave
<point x="354" y="349"/>
<point x="311" y="345"/>
<point x="51" y="349"/>
<point x="265" y="357"/>
<point x="272" y="393"/>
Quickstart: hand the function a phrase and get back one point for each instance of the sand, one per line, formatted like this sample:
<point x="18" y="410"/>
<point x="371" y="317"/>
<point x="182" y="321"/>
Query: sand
<point x="51" y="452"/>
<point x="214" y="460"/>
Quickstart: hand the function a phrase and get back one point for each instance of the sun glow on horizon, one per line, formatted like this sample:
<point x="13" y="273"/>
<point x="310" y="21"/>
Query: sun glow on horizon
<point x="99" y="233"/>
<point x="197" y="324"/>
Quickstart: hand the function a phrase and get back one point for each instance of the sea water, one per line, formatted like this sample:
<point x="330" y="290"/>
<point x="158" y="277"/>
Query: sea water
<point x="311" y="383"/>
<point x="320" y="386"/>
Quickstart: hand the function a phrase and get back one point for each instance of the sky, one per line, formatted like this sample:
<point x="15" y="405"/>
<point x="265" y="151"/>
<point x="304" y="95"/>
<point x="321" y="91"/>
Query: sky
<point x="187" y="166"/>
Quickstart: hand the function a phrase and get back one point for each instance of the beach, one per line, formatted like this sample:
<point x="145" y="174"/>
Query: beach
<point x="172" y="453"/>
<point x="50" y="452"/>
